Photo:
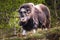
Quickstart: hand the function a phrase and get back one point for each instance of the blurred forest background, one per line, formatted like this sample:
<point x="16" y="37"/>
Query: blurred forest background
<point x="9" y="16"/>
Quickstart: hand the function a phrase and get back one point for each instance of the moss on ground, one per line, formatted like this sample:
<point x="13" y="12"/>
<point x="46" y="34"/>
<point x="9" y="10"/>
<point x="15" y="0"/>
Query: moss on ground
<point x="50" y="34"/>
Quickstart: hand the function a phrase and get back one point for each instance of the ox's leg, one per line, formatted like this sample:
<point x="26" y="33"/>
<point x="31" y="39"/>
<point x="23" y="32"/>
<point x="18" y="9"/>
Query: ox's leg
<point x="35" y="24"/>
<point x="44" y="26"/>
<point x="24" y="32"/>
<point x="48" y="24"/>
<point x="34" y="28"/>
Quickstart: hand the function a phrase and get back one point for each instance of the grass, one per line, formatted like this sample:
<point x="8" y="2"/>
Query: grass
<point x="40" y="34"/>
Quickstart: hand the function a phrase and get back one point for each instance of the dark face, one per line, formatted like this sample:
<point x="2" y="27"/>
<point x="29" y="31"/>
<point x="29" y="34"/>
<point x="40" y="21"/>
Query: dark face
<point x="24" y="13"/>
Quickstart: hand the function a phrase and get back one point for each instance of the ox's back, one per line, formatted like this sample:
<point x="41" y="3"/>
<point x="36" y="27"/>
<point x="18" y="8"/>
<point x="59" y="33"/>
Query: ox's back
<point x="45" y="9"/>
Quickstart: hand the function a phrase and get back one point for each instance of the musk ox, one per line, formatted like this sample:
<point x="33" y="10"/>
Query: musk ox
<point x="33" y="17"/>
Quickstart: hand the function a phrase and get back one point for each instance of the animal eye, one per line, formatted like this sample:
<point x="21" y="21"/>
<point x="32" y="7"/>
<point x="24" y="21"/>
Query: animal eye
<point x="28" y="11"/>
<point x="24" y="11"/>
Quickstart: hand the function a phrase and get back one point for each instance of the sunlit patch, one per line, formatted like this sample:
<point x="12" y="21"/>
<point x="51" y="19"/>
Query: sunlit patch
<point x="34" y="31"/>
<point x="46" y="29"/>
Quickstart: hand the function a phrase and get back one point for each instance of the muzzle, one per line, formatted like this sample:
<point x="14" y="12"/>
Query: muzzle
<point x="24" y="19"/>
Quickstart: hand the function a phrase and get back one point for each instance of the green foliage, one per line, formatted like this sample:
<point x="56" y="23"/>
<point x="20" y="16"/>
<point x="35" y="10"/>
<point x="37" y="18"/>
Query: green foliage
<point x="14" y="19"/>
<point x="35" y="1"/>
<point x="7" y="7"/>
